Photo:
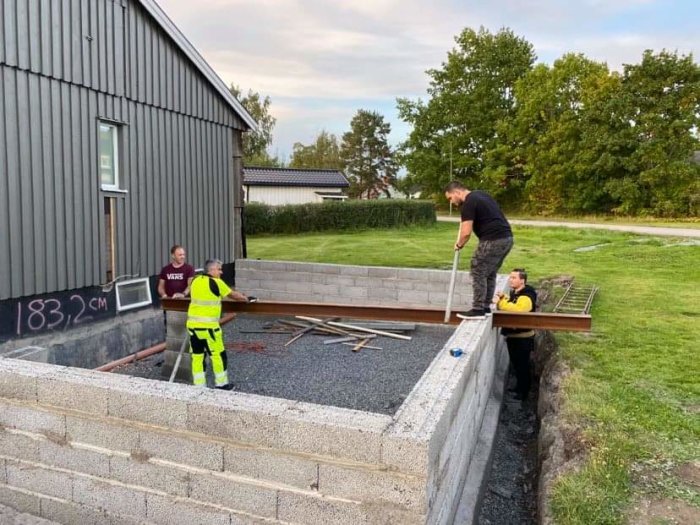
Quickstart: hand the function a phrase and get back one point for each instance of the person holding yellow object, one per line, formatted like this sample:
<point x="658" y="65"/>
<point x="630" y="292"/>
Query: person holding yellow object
<point x="520" y="341"/>
<point x="206" y="292"/>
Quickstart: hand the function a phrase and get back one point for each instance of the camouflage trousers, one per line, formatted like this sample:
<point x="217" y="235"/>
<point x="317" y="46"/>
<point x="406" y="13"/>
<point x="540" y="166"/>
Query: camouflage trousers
<point x="486" y="261"/>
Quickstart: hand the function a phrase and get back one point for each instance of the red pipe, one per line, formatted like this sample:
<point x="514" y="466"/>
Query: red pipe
<point x="151" y="350"/>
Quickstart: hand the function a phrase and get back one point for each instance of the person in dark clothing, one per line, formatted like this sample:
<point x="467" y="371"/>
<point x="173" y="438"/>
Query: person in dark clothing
<point x="520" y="341"/>
<point x="482" y="216"/>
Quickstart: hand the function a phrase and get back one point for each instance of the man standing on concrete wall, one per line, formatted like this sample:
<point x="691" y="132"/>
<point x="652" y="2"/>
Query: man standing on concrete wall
<point x="521" y="342"/>
<point x="203" y="327"/>
<point x="482" y="216"/>
<point x="175" y="278"/>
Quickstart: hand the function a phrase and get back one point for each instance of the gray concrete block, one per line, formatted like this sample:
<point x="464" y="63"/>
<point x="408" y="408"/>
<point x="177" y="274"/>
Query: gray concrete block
<point x="325" y="289"/>
<point x="243" y="418"/>
<point x="383" y="273"/>
<point x="294" y="286"/>
<point x="79" y="459"/>
<point x="412" y="274"/>
<point x="333" y="269"/>
<point x="381" y="292"/>
<point x="405" y="454"/>
<point x="110" y="496"/>
<point x="437" y="297"/>
<point x="149" y="475"/>
<point x="264" y="464"/>
<point x="19" y="500"/>
<point x="373" y="486"/>
<point x="233" y="493"/>
<point x="300" y="508"/>
<point x="412" y="297"/>
<point x="68" y="389"/>
<point x="403" y="284"/>
<point x="16" y="386"/>
<point x="32" y="419"/>
<point x="152" y="402"/>
<point x="108" y="434"/>
<point x="3" y="472"/>
<point x="62" y="511"/>
<point x="168" y="510"/>
<point x="355" y="292"/>
<point x="359" y="271"/>
<point x="19" y="446"/>
<point x="331" y="431"/>
<point x="189" y="450"/>
<point x="341" y="281"/>
<point x="31" y="476"/>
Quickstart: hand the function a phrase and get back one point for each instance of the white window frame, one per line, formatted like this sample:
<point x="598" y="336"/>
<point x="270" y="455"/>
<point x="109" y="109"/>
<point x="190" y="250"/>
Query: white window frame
<point x="120" y="307"/>
<point x="115" y="149"/>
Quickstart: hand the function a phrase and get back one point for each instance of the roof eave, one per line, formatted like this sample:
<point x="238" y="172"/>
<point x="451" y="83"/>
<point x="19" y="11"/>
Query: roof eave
<point x="181" y="40"/>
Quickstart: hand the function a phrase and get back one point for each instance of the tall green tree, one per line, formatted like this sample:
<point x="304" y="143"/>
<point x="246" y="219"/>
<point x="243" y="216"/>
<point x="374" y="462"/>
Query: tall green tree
<point x="468" y="95"/>
<point x="256" y="143"/>
<point x="660" y="99"/>
<point x="324" y="153"/>
<point x="367" y="157"/>
<point x="546" y="154"/>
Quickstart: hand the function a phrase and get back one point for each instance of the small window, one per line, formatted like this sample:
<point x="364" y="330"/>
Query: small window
<point x="132" y="294"/>
<point x="109" y="156"/>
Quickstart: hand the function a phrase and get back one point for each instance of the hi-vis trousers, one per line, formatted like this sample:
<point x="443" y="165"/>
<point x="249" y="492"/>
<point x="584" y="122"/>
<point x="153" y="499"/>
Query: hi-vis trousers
<point x="208" y="341"/>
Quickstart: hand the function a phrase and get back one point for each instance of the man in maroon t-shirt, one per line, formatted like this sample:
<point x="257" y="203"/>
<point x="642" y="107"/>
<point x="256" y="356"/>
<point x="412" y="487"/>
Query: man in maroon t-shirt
<point x="175" y="278"/>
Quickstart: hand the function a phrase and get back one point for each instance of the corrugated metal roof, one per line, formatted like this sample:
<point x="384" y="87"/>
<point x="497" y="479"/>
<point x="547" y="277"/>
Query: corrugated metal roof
<point x="181" y="40"/>
<point x="258" y="176"/>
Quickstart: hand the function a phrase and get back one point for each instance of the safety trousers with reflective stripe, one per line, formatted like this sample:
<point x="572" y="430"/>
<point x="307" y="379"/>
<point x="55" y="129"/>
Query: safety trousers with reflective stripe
<point x="203" y="342"/>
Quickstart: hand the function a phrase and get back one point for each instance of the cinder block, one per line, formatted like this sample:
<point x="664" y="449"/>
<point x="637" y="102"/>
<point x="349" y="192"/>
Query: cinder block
<point x="175" y="324"/>
<point x="32" y="477"/>
<point x="146" y="474"/>
<point x="437" y="297"/>
<point x="180" y="511"/>
<point x="331" y="431"/>
<point x="234" y="494"/>
<point x="412" y="274"/>
<point x="373" y="486"/>
<point x="293" y="286"/>
<point x="112" y="497"/>
<point x="266" y="465"/>
<point x="20" y="500"/>
<point x="3" y="472"/>
<point x="325" y="289"/>
<point x="406" y="454"/>
<point x="153" y="402"/>
<point x="381" y="292"/>
<point x="68" y="389"/>
<point x="106" y="434"/>
<point x="241" y="417"/>
<point x="341" y="281"/>
<point x="402" y="284"/>
<point x="185" y="450"/>
<point x="326" y="268"/>
<point x="67" y="512"/>
<point x="383" y="273"/>
<point x="32" y="419"/>
<point x="16" y="386"/>
<point x="300" y="508"/>
<point x="70" y="458"/>
<point x="353" y="292"/>
<point x="19" y="446"/>
<point x="359" y="271"/>
<point x="412" y="297"/>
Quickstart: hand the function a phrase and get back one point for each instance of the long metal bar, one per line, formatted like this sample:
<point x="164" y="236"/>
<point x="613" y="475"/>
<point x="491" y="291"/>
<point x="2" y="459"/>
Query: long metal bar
<point x="532" y="320"/>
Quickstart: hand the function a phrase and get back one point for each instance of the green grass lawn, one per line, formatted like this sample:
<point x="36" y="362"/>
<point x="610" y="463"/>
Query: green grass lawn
<point x="634" y="395"/>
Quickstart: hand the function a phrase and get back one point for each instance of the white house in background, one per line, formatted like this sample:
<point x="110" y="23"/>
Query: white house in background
<point x="276" y="186"/>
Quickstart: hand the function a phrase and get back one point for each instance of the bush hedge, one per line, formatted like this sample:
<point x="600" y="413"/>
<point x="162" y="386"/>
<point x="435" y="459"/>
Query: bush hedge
<point x="335" y="215"/>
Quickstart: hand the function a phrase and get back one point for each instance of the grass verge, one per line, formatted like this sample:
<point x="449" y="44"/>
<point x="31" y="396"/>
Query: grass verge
<point x="634" y="395"/>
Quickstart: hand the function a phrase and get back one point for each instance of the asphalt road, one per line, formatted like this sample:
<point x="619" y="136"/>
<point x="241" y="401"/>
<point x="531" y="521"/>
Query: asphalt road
<point x="642" y="230"/>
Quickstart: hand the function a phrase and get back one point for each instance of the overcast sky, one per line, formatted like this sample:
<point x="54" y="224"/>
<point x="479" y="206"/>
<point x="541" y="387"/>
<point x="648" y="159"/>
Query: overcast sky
<point x="322" y="60"/>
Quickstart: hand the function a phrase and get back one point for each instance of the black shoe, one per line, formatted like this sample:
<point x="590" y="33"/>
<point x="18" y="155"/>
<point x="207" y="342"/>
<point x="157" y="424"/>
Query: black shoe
<point x="474" y="313"/>
<point x="487" y="311"/>
<point x="225" y="387"/>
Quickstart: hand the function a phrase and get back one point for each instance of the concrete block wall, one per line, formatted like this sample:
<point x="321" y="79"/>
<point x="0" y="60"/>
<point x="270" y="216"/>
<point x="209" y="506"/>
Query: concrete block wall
<point x="79" y="446"/>
<point x="346" y="284"/>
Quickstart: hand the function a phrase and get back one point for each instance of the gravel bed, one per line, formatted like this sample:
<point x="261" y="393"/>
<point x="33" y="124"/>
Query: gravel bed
<point x="509" y="495"/>
<point x="307" y="370"/>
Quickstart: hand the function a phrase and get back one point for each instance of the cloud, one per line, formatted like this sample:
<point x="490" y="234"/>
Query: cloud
<point x="318" y="59"/>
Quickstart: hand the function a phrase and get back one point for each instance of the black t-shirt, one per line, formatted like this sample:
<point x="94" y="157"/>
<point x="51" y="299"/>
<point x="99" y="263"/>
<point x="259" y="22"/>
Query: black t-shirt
<point x="489" y="221"/>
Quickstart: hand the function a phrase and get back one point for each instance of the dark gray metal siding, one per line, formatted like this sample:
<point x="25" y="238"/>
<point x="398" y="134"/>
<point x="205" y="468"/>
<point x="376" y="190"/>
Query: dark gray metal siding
<point x="176" y="141"/>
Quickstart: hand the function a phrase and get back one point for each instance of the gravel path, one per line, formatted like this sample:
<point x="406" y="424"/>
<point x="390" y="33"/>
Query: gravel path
<point x="509" y="496"/>
<point x="307" y="370"/>
<point x="644" y="230"/>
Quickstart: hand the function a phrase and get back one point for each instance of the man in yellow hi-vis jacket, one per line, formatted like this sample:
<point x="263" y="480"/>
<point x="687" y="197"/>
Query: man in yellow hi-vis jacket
<point x="206" y="292"/>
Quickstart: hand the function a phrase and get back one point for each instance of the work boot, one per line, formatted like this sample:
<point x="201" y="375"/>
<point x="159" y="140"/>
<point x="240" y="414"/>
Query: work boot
<point x="225" y="387"/>
<point x="474" y="313"/>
